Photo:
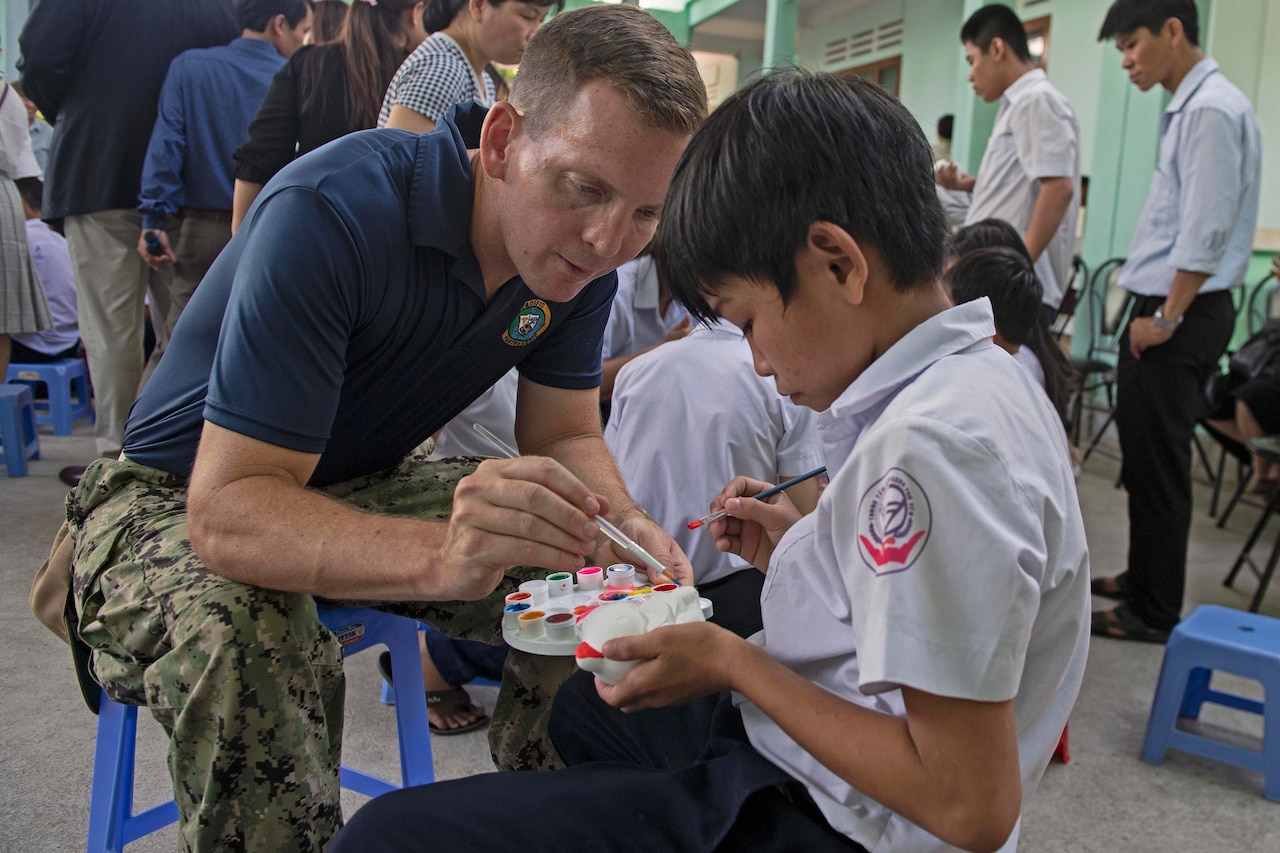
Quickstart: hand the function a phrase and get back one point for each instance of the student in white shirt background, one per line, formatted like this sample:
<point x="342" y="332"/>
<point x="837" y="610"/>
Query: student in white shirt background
<point x="1016" y="293"/>
<point x="687" y="418"/>
<point x="643" y="316"/>
<point x="1030" y="173"/>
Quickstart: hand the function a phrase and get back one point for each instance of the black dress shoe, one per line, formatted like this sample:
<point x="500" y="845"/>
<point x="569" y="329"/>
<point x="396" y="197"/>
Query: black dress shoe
<point x="71" y="475"/>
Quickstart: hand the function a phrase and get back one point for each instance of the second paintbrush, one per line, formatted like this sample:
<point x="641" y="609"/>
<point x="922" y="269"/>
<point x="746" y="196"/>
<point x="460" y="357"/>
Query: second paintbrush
<point x="707" y="519"/>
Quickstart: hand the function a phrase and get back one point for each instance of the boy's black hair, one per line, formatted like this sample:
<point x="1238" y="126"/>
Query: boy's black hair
<point x="1006" y="276"/>
<point x="987" y="234"/>
<point x="945" y="125"/>
<point x="31" y="190"/>
<point x="1125" y="16"/>
<point x="256" y="14"/>
<point x="790" y="149"/>
<point x="996" y="21"/>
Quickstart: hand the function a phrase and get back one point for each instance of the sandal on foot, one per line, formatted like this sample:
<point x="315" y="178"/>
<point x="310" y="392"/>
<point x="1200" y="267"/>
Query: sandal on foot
<point x="1108" y="587"/>
<point x="1121" y="623"/>
<point x="453" y="700"/>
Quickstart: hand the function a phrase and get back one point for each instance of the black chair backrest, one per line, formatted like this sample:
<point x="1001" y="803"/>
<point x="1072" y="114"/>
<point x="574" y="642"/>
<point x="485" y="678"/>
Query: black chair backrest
<point x="1070" y="297"/>
<point x="1262" y="303"/>
<point x="1108" y="308"/>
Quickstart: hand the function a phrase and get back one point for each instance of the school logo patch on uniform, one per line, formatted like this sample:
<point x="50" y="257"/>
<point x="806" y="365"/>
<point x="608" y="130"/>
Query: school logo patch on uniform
<point x="894" y="520"/>
<point x="531" y="321"/>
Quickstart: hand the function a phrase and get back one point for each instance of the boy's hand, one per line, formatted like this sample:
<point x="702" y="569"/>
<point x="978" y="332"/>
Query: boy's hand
<point x="948" y="176"/>
<point x="753" y="527"/>
<point x="649" y="536"/>
<point x="677" y="663"/>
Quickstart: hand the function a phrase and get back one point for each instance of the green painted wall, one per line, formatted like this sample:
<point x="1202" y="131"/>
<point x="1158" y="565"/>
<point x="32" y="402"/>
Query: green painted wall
<point x="1239" y="33"/>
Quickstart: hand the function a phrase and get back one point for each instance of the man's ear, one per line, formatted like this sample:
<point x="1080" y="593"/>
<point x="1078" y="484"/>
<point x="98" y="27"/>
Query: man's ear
<point x="476" y="7"/>
<point x="835" y="258"/>
<point x="502" y="128"/>
<point x="997" y="49"/>
<point x="1173" y="31"/>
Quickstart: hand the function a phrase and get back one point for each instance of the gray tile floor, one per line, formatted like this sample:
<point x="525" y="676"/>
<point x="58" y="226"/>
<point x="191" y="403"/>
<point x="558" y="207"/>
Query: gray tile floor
<point x="1105" y="799"/>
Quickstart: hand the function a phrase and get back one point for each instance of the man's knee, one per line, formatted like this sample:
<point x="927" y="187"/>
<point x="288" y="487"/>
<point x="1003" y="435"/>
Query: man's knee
<point x="518" y="737"/>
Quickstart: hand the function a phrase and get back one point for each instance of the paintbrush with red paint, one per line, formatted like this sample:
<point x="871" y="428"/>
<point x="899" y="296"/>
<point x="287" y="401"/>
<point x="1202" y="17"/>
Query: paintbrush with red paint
<point x="707" y="519"/>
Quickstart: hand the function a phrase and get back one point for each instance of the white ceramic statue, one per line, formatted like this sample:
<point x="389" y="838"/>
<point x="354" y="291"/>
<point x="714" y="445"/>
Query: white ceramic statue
<point x="627" y="618"/>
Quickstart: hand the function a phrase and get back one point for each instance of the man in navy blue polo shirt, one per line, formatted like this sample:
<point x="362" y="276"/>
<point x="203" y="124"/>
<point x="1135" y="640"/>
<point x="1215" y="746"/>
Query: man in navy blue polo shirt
<point x="377" y="287"/>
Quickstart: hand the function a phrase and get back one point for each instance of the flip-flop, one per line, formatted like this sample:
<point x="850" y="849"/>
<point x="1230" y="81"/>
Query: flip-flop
<point x="1121" y="623"/>
<point x="453" y="699"/>
<point x="1100" y="586"/>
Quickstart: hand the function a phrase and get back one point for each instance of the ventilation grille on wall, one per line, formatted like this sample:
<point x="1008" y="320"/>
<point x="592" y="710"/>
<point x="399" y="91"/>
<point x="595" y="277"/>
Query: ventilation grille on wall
<point x="1031" y="4"/>
<point x="842" y="51"/>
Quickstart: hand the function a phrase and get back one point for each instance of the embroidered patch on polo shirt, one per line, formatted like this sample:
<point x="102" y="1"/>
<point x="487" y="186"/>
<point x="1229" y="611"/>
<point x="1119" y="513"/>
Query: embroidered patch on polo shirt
<point x="894" y="520"/>
<point x="532" y="320"/>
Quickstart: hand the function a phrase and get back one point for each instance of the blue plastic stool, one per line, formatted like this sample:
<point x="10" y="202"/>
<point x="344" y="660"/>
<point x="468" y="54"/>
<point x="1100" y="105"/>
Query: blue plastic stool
<point x="18" y="428"/>
<point x="112" y="823"/>
<point x="1218" y="638"/>
<point x="62" y="378"/>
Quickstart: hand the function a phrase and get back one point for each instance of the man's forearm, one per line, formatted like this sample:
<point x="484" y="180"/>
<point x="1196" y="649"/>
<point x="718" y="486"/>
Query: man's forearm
<point x="1186" y="286"/>
<point x="270" y="533"/>
<point x="1046" y="217"/>
<point x="588" y="457"/>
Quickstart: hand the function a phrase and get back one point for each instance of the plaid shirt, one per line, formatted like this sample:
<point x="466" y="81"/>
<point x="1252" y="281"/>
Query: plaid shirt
<point x="435" y="77"/>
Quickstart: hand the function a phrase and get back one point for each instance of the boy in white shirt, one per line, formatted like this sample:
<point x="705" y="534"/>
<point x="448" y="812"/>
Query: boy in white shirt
<point x="1030" y="172"/>
<point x="925" y="628"/>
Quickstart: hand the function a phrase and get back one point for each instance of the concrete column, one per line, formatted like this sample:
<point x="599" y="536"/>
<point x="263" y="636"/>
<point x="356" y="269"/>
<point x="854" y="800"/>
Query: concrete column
<point x="780" y="20"/>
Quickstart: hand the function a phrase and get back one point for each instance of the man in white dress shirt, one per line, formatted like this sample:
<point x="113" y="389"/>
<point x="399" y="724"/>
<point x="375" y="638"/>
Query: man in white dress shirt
<point x="1030" y="173"/>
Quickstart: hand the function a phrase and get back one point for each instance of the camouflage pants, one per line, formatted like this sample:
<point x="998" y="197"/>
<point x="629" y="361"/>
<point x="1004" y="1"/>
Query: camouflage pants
<point x="246" y="681"/>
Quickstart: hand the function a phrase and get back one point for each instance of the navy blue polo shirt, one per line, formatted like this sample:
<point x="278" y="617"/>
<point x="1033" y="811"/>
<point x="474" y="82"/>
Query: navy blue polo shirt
<point x="347" y="317"/>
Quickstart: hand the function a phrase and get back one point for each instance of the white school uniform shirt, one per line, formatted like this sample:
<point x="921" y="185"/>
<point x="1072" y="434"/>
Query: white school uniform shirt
<point x="635" y="321"/>
<point x="52" y="261"/>
<point x="948" y="554"/>
<point x="495" y="409"/>
<point x="690" y="416"/>
<point x="1035" y="136"/>
<point x="1031" y="362"/>
<point x="1202" y="204"/>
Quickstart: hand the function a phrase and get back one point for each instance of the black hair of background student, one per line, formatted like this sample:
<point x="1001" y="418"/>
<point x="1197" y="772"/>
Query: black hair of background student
<point x="945" y="126"/>
<point x="996" y="21"/>
<point x="985" y="234"/>
<point x="846" y="152"/>
<point x="1125" y="16"/>
<point x="1006" y="277"/>
<point x="257" y="14"/>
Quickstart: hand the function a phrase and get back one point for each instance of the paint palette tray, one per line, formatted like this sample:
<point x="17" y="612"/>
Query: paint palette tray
<point x="542" y="617"/>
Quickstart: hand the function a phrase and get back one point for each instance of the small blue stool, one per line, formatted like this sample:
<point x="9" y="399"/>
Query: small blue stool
<point x="1218" y="638"/>
<point x="62" y="379"/>
<point x="112" y="823"/>
<point x="18" y="428"/>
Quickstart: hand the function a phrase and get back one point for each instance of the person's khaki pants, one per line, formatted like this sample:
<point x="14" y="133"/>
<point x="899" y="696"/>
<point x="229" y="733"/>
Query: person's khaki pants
<point x="111" y="281"/>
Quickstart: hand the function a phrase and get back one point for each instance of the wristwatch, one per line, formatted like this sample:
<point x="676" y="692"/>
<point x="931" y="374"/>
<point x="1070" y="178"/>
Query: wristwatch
<point x="1162" y="322"/>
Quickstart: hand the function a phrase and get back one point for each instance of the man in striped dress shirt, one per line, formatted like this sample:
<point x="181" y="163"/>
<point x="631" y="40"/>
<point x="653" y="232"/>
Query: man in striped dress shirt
<point x="1191" y="246"/>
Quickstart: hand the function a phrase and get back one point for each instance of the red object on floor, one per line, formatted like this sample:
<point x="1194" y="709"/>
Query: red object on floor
<point x="1061" y="752"/>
